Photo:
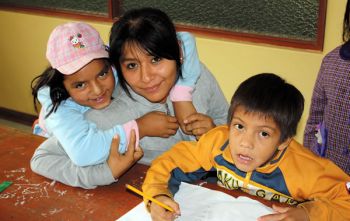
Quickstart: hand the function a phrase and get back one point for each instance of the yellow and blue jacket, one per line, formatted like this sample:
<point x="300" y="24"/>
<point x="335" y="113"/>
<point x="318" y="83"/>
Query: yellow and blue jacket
<point x="294" y="175"/>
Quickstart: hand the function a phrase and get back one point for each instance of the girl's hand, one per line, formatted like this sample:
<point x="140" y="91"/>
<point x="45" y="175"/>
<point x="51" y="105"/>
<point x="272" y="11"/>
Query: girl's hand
<point x="184" y="109"/>
<point x="157" y="124"/>
<point x="158" y="213"/>
<point x="198" y="124"/>
<point x="120" y="163"/>
<point x="286" y="214"/>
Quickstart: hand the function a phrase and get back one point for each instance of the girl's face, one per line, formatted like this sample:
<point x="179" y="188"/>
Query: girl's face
<point x="253" y="139"/>
<point x="149" y="76"/>
<point x="91" y="86"/>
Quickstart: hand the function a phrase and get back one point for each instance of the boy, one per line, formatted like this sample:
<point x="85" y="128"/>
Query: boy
<point x="256" y="153"/>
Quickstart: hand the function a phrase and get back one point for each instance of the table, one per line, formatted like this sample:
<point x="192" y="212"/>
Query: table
<point x="33" y="197"/>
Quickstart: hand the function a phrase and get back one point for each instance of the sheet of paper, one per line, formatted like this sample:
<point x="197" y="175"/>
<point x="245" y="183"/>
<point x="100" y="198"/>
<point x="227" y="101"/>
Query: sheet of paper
<point x="201" y="204"/>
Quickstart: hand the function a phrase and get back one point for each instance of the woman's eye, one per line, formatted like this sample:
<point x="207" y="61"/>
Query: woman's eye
<point x="131" y="66"/>
<point x="156" y="59"/>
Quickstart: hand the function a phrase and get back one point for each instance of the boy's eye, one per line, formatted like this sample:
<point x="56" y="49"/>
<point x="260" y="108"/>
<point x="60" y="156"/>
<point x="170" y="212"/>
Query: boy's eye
<point x="238" y="126"/>
<point x="156" y="59"/>
<point x="264" y="134"/>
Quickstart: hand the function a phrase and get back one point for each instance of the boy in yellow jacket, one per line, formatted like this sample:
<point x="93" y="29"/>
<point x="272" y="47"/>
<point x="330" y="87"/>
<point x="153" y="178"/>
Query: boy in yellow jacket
<point x="257" y="154"/>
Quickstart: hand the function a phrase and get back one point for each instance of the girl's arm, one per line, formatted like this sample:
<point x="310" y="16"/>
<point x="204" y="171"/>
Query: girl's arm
<point x="84" y="143"/>
<point x="181" y="94"/>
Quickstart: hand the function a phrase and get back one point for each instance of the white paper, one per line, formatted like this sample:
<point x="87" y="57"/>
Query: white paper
<point x="202" y="204"/>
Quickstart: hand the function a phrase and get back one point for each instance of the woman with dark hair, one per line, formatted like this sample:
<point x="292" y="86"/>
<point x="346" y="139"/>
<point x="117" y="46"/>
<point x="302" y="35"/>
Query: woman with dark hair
<point x="146" y="52"/>
<point x="327" y="130"/>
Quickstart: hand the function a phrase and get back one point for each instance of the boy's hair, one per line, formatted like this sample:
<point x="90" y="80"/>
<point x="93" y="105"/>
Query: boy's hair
<point x="150" y="29"/>
<point x="271" y="96"/>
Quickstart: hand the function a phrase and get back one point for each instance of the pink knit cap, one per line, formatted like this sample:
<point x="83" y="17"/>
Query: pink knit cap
<point x="71" y="46"/>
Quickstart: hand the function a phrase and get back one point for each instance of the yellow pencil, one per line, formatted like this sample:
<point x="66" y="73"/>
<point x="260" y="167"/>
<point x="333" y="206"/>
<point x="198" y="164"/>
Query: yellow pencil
<point x="149" y="198"/>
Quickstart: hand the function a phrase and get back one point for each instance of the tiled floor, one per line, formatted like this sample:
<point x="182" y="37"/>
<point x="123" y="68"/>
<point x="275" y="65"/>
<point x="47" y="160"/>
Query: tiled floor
<point x="19" y="126"/>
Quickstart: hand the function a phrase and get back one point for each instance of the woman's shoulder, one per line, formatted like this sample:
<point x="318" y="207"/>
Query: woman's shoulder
<point x="206" y="79"/>
<point x="205" y="72"/>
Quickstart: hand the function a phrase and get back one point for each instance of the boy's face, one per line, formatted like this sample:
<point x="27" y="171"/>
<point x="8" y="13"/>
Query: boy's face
<point x="253" y="139"/>
<point x="91" y="86"/>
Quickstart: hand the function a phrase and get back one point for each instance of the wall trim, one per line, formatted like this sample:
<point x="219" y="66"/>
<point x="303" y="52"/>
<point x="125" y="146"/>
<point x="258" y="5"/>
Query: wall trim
<point x="17" y="116"/>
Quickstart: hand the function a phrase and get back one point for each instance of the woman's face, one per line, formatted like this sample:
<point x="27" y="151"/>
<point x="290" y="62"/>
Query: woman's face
<point x="149" y="76"/>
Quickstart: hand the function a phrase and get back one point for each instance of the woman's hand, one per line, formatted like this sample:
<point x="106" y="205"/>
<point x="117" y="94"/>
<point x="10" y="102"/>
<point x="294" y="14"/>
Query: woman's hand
<point x="286" y="214"/>
<point x="198" y="124"/>
<point x="120" y="163"/>
<point x="157" y="124"/>
<point x="158" y="213"/>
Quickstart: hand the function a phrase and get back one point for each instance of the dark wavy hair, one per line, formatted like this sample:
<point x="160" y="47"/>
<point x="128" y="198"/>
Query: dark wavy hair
<point x="271" y="96"/>
<point x="149" y="28"/>
<point x="53" y="79"/>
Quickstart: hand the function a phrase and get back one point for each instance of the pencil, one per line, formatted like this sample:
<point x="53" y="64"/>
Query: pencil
<point x="149" y="198"/>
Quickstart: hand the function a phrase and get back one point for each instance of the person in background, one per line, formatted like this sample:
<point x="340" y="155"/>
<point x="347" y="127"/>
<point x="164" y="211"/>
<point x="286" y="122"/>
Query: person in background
<point x="149" y="101"/>
<point x="327" y="131"/>
<point x="256" y="153"/>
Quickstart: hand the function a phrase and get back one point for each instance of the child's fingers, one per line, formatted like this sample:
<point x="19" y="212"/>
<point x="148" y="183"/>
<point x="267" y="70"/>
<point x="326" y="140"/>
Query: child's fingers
<point x="115" y="144"/>
<point x="132" y="141"/>
<point x="199" y="131"/>
<point x="173" y="126"/>
<point x="172" y="119"/>
<point x="280" y="209"/>
<point x="192" y="118"/>
<point x="138" y="153"/>
<point x="159" y="213"/>
<point x="269" y="217"/>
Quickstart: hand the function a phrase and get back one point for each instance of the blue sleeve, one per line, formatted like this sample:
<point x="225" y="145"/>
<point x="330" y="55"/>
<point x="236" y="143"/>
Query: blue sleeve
<point x="191" y="66"/>
<point x="84" y="143"/>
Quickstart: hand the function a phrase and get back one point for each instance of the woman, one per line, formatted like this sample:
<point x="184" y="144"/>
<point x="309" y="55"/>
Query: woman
<point x="147" y="56"/>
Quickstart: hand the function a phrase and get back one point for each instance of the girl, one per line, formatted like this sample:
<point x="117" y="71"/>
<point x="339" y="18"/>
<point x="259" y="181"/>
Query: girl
<point x="81" y="78"/>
